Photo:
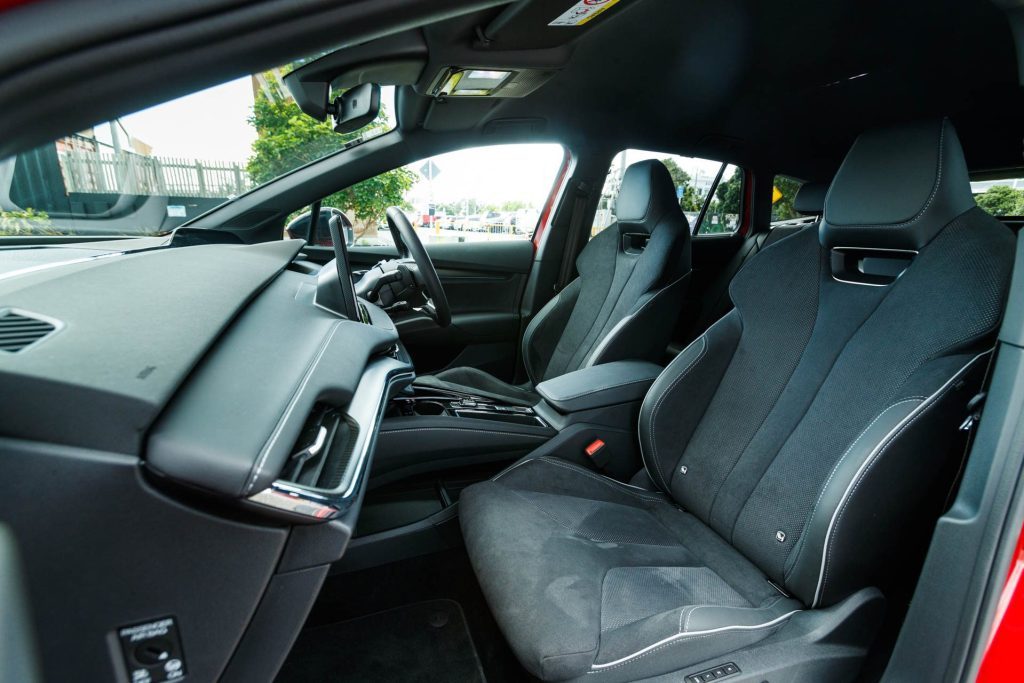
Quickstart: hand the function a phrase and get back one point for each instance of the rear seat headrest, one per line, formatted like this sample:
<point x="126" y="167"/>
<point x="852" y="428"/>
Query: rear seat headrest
<point x="897" y="188"/>
<point x="810" y="199"/>
<point x="646" y="195"/>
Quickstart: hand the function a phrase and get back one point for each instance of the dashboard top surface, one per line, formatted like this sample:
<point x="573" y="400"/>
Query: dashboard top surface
<point x="130" y="327"/>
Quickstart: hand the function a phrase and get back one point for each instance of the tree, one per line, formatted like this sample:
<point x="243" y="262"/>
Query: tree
<point x="730" y="193"/>
<point x="1000" y="200"/>
<point x="782" y="210"/>
<point x="727" y="200"/>
<point x="692" y="200"/>
<point x="287" y="138"/>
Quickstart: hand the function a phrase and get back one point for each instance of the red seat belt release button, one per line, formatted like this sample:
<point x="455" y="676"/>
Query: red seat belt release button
<point x="595" y="446"/>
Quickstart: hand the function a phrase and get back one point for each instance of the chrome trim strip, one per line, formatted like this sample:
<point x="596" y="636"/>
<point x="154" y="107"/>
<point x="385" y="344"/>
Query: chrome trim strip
<point x="367" y="410"/>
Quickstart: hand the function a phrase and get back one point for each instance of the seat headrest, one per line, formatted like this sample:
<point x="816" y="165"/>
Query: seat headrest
<point x="810" y="199"/>
<point x="897" y="188"/>
<point x="645" y="196"/>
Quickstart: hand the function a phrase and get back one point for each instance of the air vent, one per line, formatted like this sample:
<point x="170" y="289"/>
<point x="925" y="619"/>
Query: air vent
<point x="19" y="330"/>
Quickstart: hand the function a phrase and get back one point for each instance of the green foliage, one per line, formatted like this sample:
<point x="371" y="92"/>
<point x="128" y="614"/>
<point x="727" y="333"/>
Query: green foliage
<point x="692" y="200"/>
<point x="27" y="222"/>
<point x="783" y="210"/>
<point x="1001" y="200"/>
<point x="287" y="139"/>
<point x="727" y="200"/>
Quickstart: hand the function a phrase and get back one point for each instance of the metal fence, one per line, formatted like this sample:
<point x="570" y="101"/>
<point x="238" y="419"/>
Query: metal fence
<point x="129" y="173"/>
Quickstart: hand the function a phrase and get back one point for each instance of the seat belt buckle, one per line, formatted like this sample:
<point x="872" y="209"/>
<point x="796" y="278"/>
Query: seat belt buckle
<point x="597" y="453"/>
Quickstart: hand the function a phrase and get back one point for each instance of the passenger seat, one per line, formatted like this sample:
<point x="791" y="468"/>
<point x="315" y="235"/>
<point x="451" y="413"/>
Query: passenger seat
<point x="788" y="448"/>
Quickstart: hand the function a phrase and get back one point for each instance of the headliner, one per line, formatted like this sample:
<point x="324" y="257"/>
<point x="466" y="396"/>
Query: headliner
<point x="763" y="84"/>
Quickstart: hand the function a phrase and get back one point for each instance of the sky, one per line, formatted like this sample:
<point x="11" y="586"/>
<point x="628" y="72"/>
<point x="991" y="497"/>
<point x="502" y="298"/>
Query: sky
<point x="491" y="175"/>
<point x="208" y="125"/>
<point x="211" y="125"/>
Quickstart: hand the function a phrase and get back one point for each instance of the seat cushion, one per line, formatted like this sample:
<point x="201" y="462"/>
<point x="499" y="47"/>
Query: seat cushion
<point x="588" y="576"/>
<point x="479" y="383"/>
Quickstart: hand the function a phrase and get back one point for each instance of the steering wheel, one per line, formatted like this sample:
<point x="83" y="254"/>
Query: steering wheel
<point x="410" y="246"/>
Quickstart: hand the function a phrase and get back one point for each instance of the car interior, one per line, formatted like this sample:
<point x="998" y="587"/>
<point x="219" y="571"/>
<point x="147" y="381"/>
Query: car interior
<point x="768" y="431"/>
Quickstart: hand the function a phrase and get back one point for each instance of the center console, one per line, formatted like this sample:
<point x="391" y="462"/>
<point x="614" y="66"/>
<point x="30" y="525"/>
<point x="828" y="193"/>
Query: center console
<point x="588" y="416"/>
<point x="437" y="402"/>
<point x="433" y="442"/>
<point x="427" y="429"/>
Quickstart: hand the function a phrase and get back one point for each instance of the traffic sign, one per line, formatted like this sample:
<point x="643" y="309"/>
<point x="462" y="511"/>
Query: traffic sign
<point x="429" y="170"/>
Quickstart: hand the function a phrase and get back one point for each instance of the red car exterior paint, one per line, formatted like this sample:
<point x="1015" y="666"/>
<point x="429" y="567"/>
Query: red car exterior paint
<point x="1003" y="655"/>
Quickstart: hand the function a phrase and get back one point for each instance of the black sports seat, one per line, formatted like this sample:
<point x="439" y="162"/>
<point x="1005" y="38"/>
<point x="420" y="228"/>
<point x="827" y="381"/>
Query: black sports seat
<point x="810" y="201"/>
<point x="788" y="446"/>
<point x="623" y="305"/>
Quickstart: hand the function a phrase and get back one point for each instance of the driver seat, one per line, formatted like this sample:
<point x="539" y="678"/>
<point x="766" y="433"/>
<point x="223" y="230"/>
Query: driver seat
<point x="623" y="305"/>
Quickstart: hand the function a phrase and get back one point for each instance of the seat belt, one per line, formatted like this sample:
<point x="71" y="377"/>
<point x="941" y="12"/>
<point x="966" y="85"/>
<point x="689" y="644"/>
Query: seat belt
<point x="572" y="240"/>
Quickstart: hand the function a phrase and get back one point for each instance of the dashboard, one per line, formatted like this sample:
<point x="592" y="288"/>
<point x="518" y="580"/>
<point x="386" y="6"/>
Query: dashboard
<point x="186" y="439"/>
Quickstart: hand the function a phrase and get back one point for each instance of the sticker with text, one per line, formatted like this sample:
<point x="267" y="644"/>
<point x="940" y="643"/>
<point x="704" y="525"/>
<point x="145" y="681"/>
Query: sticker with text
<point x="582" y="12"/>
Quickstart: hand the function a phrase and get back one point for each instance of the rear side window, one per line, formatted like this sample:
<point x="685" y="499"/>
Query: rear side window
<point x="725" y="204"/>
<point x="784" y="189"/>
<point x="698" y="182"/>
<point x="1002" y="197"/>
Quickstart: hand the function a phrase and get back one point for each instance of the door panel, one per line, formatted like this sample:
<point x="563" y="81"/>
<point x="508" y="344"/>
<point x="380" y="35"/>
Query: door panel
<point x="484" y="283"/>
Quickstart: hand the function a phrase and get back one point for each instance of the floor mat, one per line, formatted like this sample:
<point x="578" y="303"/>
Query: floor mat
<point x="427" y="642"/>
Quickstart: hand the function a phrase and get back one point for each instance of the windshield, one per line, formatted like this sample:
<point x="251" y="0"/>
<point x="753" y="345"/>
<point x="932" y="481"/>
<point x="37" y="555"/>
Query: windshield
<point x="148" y="172"/>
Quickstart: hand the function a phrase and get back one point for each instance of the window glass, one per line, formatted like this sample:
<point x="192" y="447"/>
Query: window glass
<point x="726" y="204"/>
<point x="1004" y="197"/>
<point x="148" y="172"/>
<point x="784" y="189"/>
<point x="693" y="178"/>
<point x="472" y="195"/>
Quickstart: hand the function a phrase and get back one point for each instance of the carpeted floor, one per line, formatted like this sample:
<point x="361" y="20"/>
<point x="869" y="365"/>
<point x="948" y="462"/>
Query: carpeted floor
<point x="426" y="642"/>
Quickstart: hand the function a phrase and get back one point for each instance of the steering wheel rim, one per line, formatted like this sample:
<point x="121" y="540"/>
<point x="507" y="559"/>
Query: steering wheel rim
<point x="410" y="246"/>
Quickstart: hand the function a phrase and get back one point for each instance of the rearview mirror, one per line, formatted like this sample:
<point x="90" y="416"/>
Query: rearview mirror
<point x="356" y="108"/>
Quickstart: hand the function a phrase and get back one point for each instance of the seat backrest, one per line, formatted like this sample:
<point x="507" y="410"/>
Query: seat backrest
<point x="809" y="201"/>
<point x="626" y="300"/>
<point x="816" y="413"/>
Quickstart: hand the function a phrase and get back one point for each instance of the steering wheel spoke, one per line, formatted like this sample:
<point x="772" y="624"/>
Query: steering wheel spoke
<point x="424" y="274"/>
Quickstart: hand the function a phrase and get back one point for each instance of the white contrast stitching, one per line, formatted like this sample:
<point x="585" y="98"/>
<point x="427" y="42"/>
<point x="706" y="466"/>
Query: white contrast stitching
<point x="835" y="469"/>
<point x="619" y="326"/>
<point x="660" y="401"/>
<point x="869" y="462"/>
<point x="920" y="213"/>
<point x="680" y="637"/>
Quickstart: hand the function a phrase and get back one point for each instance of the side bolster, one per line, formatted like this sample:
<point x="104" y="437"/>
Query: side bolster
<point x="886" y="473"/>
<point x="675" y="404"/>
<point x="644" y="332"/>
<point x="542" y="334"/>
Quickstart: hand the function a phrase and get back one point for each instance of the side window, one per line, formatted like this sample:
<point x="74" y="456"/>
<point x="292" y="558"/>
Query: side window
<point x="694" y="179"/>
<point x="472" y="195"/>
<point x="784" y="191"/>
<point x="725" y="205"/>
<point x="1000" y="197"/>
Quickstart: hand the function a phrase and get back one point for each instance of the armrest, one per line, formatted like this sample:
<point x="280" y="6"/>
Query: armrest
<point x="599" y="385"/>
